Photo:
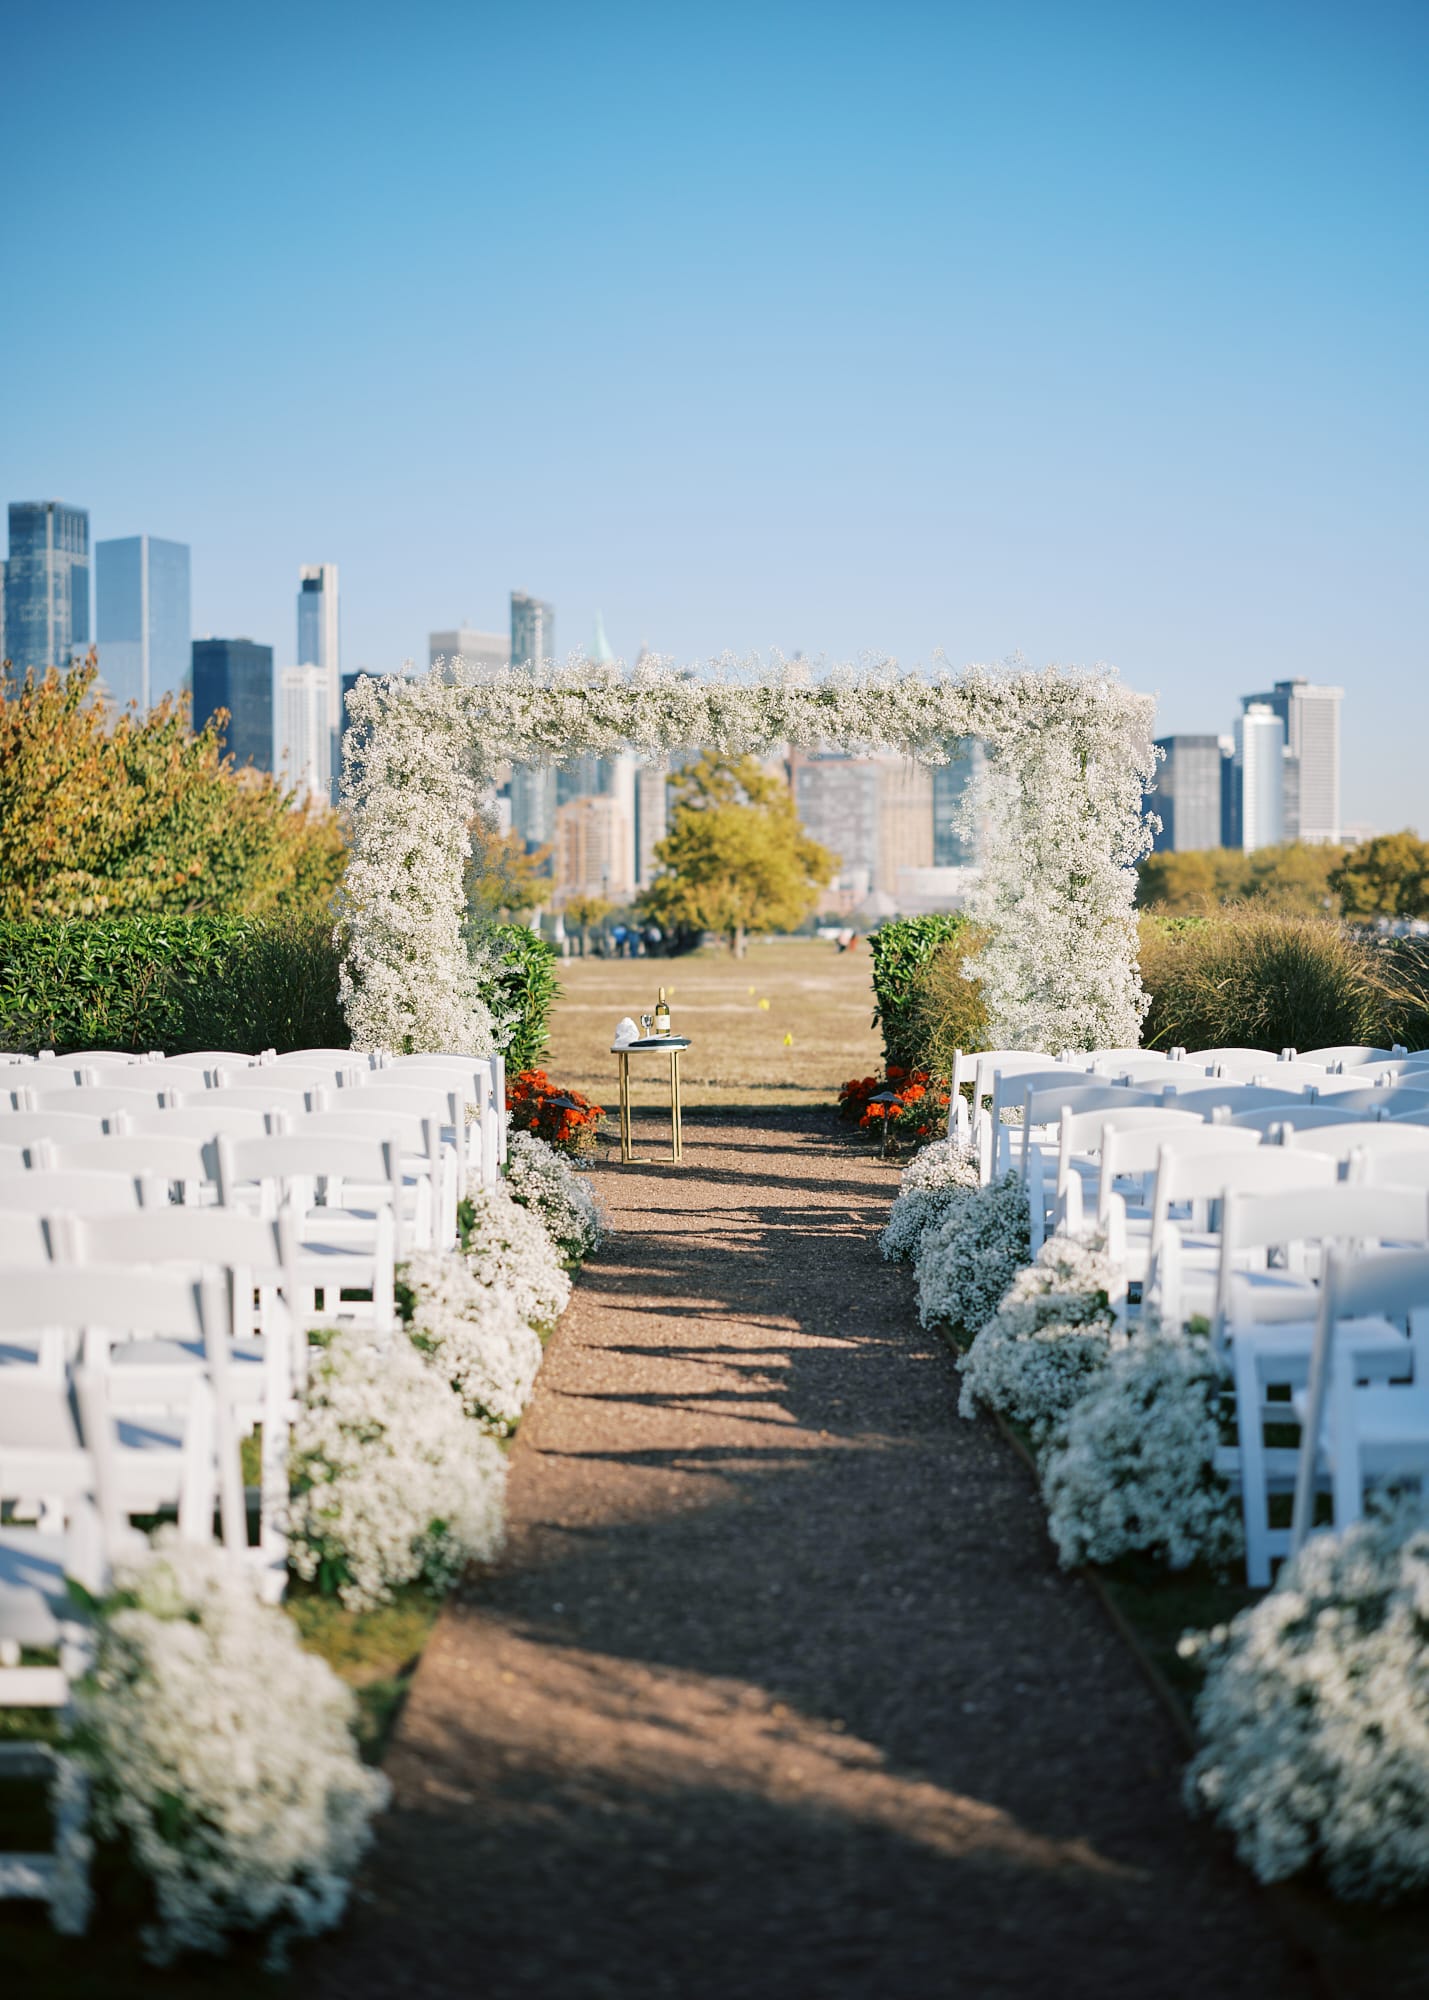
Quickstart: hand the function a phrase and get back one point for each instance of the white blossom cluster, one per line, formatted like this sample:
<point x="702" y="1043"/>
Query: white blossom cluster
<point x="474" y="1336"/>
<point x="1314" y="1716"/>
<point x="544" y="1180"/>
<point x="392" y="1482"/>
<point x="1059" y="812"/>
<point x="1132" y="1465"/>
<point x="1047" y="1340"/>
<point x="509" y="1250"/>
<point x="222" y="1754"/>
<point x="933" y="1182"/>
<point x="967" y="1261"/>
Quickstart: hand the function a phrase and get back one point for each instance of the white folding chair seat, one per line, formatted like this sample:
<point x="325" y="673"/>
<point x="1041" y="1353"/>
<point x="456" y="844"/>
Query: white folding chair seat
<point x="85" y="1192"/>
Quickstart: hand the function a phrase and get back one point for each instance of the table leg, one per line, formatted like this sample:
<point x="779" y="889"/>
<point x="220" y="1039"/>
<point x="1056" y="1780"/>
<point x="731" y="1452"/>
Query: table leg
<point x="677" y="1151"/>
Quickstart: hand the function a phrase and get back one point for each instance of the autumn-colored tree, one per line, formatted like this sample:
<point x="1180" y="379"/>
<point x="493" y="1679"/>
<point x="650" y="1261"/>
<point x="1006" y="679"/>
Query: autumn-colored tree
<point x="502" y="879"/>
<point x="735" y="859"/>
<point x="1385" y="877"/>
<point x="105" y="816"/>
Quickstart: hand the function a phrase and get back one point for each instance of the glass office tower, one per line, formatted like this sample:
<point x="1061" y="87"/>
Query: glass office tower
<point x="46" y="584"/>
<point x="142" y="618"/>
<point x="1187" y="793"/>
<point x="952" y="848"/>
<point x="237" y="675"/>
<point x="533" y="786"/>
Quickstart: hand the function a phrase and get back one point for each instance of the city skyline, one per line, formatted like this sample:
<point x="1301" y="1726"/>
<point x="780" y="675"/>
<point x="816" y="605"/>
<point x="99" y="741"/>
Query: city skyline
<point x="1102" y="343"/>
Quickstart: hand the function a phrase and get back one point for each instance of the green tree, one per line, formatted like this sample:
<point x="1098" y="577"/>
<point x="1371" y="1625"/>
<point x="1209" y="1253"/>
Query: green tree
<point x="735" y="859"/>
<point x="105" y="816"/>
<point x="1385" y="877"/>
<point x="1293" y="876"/>
<point x="585" y="912"/>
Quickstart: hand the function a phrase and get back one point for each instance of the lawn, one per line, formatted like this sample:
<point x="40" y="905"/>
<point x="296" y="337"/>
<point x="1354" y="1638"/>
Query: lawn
<point x="783" y="1026"/>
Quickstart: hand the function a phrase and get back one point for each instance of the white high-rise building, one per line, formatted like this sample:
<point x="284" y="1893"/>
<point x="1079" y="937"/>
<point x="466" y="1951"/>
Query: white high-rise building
<point x="1260" y="775"/>
<point x="318" y="646"/>
<point x="1310" y="717"/>
<point x="303" y="730"/>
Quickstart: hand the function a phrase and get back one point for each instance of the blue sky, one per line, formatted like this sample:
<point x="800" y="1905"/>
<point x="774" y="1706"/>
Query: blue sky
<point x="1086" y="331"/>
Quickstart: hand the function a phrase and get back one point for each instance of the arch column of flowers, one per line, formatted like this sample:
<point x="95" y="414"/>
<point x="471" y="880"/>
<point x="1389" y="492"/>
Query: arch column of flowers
<point x="1058" y="813"/>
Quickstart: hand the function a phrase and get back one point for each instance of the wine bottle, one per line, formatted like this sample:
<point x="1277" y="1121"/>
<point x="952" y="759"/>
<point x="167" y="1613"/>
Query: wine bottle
<point x="662" y="1014"/>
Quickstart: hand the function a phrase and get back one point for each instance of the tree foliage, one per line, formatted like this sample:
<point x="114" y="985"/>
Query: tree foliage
<point x="736" y="858"/>
<point x="108" y="818"/>
<point x="1294" y="876"/>
<point x="502" y="879"/>
<point x="1385" y="877"/>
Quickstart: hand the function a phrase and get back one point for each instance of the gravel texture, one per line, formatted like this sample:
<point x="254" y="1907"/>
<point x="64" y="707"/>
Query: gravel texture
<point x="778" y="1690"/>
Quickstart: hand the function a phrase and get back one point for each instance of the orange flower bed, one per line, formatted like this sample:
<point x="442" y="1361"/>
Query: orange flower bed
<point x="919" y="1111"/>
<point x="531" y="1101"/>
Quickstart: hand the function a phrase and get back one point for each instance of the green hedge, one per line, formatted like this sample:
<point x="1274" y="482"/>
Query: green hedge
<point x="177" y="983"/>
<point x="170" y="983"/>
<point x="901" y="952"/>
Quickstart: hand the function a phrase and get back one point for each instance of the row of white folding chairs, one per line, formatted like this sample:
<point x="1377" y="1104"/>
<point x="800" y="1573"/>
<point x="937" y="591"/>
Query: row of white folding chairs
<point x="120" y="1399"/>
<point x="425" y="1084"/>
<point x="1284" y="1201"/>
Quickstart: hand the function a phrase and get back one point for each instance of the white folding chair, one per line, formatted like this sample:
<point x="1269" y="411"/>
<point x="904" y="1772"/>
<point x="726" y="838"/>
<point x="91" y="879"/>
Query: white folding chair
<point x="477" y="1081"/>
<point x="1356" y="1431"/>
<point x="1375" y="1142"/>
<point x="1182" y="1260"/>
<point x="193" y="1120"/>
<point x="356" y="1248"/>
<point x="88" y="1099"/>
<point x="423" y="1152"/>
<point x="22" y="1241"/>
<point x="18" y="1128"/>
<point x="1348" y="1055"/>
<point x="1290" y="1119"/>
<point x="174" y="1160"/>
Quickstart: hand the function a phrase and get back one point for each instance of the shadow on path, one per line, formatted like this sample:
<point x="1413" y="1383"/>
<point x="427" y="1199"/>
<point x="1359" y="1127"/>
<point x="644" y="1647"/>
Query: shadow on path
<point x="778" y="1690"/>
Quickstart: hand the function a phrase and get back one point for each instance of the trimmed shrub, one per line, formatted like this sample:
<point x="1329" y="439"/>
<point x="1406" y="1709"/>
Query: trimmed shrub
<point x="170" y="983"/>
<point x="522" y="993"/>
<point x="904" y="954"/>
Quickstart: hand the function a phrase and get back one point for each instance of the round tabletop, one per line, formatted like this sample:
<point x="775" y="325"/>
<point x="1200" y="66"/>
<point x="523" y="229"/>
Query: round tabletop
<point x="649" y="1042"/>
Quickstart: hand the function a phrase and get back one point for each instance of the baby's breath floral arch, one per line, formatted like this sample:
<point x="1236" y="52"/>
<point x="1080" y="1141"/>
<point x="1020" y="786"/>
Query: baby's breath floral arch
<point x="1058" y="809"/>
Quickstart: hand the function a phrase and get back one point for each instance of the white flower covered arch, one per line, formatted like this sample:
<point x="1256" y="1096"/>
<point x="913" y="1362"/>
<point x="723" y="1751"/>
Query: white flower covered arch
<point x="1059" y="811"/>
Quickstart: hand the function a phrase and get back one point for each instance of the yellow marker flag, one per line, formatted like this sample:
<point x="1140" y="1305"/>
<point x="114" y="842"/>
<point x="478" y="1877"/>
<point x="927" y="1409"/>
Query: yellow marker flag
<point x="765" y="1005"/>
<point x="788" y="1041"/>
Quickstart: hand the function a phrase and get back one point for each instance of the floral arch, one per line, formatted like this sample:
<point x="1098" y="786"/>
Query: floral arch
<point x="1059" y="808"/>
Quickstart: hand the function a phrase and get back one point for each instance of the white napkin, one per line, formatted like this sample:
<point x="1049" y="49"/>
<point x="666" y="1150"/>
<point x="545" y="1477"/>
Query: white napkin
<point x="626" y="1032"/>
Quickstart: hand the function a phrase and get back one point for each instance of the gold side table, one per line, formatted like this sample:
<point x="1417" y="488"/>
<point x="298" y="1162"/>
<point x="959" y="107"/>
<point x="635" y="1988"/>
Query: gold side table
<point x="673" y="1046"/>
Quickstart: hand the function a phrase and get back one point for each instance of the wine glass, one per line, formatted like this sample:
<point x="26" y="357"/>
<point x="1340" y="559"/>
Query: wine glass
<point x="647" y="1024"/>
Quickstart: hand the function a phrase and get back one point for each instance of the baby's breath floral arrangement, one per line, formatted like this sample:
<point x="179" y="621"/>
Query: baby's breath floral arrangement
<point x="1048" y="1339"/>
<point x="967" y="1261"/>
<point x="543" y="1180"/>
<point x="932" y="1184"/>
<point x="1059" y="812"/>
<point x="391" y="1480"/>
<point x="473" y="1335"/>
<point x="509" y="1249"/>
<point x="222" y="1755"/>
<point x="1314" y="1715"/>
<point x="1133" y="1464"/>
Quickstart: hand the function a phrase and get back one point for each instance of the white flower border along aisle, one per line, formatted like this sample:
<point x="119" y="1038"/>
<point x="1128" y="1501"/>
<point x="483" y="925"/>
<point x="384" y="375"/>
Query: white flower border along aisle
<point x="1059" y="814"/>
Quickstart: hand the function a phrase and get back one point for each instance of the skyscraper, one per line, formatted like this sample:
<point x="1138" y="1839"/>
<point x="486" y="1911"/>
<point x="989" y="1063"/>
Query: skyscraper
<point x="236" y="675"/>
<point x="1260" y="775"/>
<point x="46" y="584"/>
<point x="533" y="786"/>
<point x="142" y="618"/>
<point x="951" y="783"/>
<point x="1186" y="793"/>
<point x="476" y="649"/>
<point x="533" y="630"/>
<point x="836" y="798"/>
<point x="1310" y="717"/>
<point x="318" y="646"/>
<point x="304" y="729"/>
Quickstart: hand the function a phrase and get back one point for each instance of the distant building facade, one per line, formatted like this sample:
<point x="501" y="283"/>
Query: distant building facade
<point x="1187" y="793"/>
<point x="46" y="585"/>
<point x="304" y="727"/>
<point x="533" y="629"/>
<point x="319" y="645"/>
<point x="1260" y="777"/>
<point x="237" y="675"/>
<point x="534" y="787"/>
<point x="1310" y="718"/>
<point x="952" y="784"/>
<point x="142" y="618"/>
<point x="482" y="650"/>
<point x="593" y="849"/>
<point x="836" y="799"/>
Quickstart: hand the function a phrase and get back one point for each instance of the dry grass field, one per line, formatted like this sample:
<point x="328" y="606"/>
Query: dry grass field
<point x="796" y="1049"/>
